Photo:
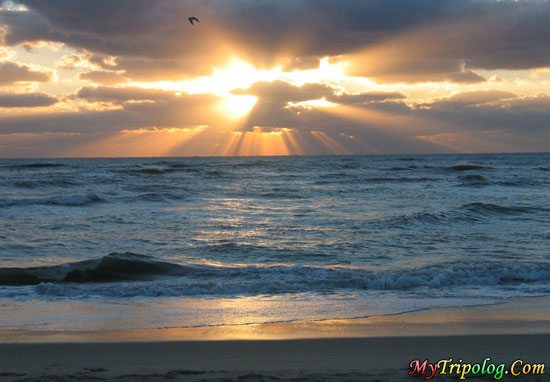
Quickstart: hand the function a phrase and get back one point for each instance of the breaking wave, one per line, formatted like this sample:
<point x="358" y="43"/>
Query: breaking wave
<point x="132" y="275"/>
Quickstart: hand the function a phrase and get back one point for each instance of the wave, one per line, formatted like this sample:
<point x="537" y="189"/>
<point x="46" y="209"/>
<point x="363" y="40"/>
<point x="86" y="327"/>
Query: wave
<point x="411" y="167"/>
<point x="489" y="208"/>
<point x="132" y="275"/>
<point x="167" y="168"/>
<point x="334" y="175"/>
<point x="216" y="173"/>
<point x="67" y="201"/>
<point x="405" y="220"/>
<point x="352" y="166"/>
<point x="147" y="171"/>
<point x="281" y="194"/>
<point x="399" y="180"/>
<point x="35" y="165"/>
<point x="185" y="167"/>
<point x="256" y="163"/>
<point x="114" y="267"/>
<point x="471" y="212"/>
<point x="480" y="180"/>
<point x="519" y="183"/>
<point x="45" y="183"/>
<point x="474" y="180"/>
<point x="467" y="167"/>
<point x="405" y="159"/>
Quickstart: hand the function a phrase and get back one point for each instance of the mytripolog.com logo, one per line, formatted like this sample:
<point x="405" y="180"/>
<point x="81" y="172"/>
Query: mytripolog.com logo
<point x="485" y="368"/>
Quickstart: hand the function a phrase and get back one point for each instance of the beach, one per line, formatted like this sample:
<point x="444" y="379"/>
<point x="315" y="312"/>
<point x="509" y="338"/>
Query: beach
<point x="370" y="349"/>
<point x="274" y="191"/>
<point x="341" y="268"/>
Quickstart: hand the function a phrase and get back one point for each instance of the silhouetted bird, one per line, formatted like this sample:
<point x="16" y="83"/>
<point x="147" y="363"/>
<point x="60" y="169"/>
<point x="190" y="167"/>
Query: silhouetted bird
<point x="191" y="19"/>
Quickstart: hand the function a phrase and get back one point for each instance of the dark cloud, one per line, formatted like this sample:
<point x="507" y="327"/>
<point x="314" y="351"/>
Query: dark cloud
<point x="174" y="69"/>
<point x="10" y="100"/>
<point x="364" y="98"/>
<point x="388" y="124"/>
<point x="466" y="77"/>
<point x="275" y="107"/>
<point x="149" y="27"/>
<point x="389" y="107"/>
<point x="416" y="40"/>
<point x="469" y="99"/>
<point x="12" y="72"/>
<point x="494" y="111"/>
<point x="301" y="63"/>
<point x="489" y="35"/>
<point x="282" y="92"/>
<point x="121" y="95"/>
<point x="102" y="61"/>
<point x="272" y="109"/>
<point x="382" y="123"/>
<point x="149" y="109"/>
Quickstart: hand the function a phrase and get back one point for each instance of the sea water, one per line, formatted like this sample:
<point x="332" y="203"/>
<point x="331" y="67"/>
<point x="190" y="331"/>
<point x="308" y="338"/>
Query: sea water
<point x="181" y="242"/>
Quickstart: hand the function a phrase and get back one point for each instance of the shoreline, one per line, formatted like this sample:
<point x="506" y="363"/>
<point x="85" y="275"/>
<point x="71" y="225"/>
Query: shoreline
<point x="378" y="348"/>
<point x="526" y="315"/>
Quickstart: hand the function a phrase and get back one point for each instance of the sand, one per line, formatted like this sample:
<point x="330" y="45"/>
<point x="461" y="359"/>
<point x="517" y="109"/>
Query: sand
<point x="371" y="349"/>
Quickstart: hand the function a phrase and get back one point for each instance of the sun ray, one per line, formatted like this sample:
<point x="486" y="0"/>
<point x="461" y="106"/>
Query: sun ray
<point x="280" y="141"/>
<point x="138" y="142"/>
<point x="330" y="143"/>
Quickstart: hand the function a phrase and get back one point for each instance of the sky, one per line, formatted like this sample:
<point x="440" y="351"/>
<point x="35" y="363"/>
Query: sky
<point x="133" y="78"/>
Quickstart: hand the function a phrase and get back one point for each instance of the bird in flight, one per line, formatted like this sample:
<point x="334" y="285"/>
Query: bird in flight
<point x="191" y="19"/>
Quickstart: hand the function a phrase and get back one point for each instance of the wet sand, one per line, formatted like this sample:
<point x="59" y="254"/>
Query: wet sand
<point x="370" y="349"/>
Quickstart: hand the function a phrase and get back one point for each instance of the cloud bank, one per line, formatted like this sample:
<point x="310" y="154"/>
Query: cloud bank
<point x="416" y="75"/>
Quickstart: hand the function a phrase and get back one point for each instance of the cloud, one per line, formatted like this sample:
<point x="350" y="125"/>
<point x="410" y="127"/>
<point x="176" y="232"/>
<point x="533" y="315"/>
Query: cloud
<point x="273" y="98"/>
<point x="72" y="61"/>
<point x="143" y="69"/>
<point x="7" y="54"/>
<point x="103" y="77"/>
<point x="154" y="109"/>
<point x="385" y="41"/>
<point x="363" y="116"/>
<point x="283" y="92"/>
<point x="138" y="108"/>
<point x="11" y="100"/>
<point x="119" y="95"/>
<point x="494" y="111"/>
<point x="417" y="40"/>
<point x="364" y="98"/>
<point x="12" y="72"/>
<point x="465" y="77"/>
<point x="361" y="123"/>
<point x="469" y="99"/>
<point x="489" y="35"/>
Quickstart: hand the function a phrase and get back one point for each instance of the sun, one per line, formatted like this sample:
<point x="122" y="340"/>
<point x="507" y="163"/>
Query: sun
<point x="237" y="74"/>
<point x="234" y="74"/>
<point x="236" y="106"/>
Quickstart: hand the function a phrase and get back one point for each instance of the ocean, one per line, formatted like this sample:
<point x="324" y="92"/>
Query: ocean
<point x="89" y="244"/>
